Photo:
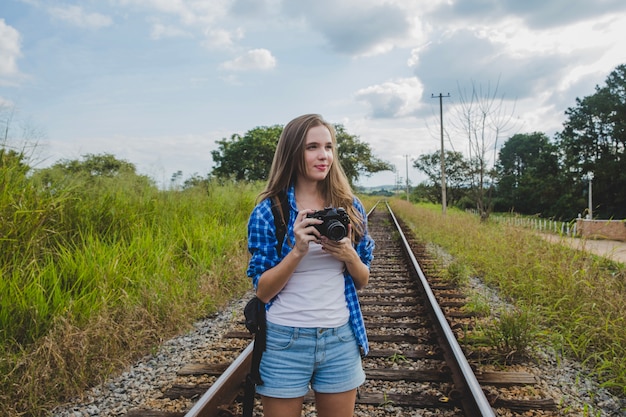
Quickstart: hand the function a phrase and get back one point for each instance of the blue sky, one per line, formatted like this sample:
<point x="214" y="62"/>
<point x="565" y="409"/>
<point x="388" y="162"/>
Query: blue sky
<point x="157" y="82"/>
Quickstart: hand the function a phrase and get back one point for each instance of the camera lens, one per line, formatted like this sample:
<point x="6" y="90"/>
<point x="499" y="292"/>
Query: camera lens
<point x="335" y="230"/>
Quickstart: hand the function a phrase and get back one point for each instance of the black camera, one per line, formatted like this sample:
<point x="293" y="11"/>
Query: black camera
<point x="335" y="225"/>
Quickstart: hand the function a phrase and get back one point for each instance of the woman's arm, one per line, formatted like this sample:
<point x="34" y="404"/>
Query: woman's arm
<point x="359" y="272"/>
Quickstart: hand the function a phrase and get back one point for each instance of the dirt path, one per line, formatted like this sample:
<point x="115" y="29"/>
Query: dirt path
<point x="610" y="249"/>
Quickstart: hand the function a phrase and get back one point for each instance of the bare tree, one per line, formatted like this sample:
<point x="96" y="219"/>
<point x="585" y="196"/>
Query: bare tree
<point x="483" y="117"/>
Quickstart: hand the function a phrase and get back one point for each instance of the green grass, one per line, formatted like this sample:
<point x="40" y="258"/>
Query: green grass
<point x="95" y="272"/>
<point x="581" y="298"/>
<point x="513" y="333"/>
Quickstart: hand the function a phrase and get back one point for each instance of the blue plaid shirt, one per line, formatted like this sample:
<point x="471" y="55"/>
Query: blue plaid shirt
<point x="262" y="243"/>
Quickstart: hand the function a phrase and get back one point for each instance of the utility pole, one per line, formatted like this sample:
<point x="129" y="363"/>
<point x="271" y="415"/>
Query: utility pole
<point x="407" y="177"/>
<point x="443" y="160"/>
<point x="397" y="182"/>
<point x="590" y="177"/>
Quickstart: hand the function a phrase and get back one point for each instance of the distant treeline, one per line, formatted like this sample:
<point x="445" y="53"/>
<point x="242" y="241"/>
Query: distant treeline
<point x="534" y="174"/>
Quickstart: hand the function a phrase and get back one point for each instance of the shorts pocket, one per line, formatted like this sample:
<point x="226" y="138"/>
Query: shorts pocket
<point x="279" y="339"/>
<point x="346" y="335"/>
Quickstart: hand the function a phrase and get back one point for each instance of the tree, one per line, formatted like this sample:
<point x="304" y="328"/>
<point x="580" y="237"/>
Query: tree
<point x="249" y="157"/>
<point x="14" y="160"/>
<point x="594" y="141"/>
<point x="356" y="156"/>
<point x="93" y="168"/>
<point x="97" y="165"/>
<point x="196" y="181"/>
<point x="528" y="174"/>
<point x="483" y="117"/>
<point x="457" y="178"/>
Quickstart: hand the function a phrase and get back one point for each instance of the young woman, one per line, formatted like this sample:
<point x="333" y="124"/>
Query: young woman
<point x="315" y="330"/>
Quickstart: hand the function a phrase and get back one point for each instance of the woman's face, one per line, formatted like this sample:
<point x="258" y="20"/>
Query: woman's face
<point x="318" y="153"/>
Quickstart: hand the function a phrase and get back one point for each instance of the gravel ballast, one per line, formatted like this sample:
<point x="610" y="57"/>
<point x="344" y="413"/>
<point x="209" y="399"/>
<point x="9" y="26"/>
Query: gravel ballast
<point x="141" y="384"/>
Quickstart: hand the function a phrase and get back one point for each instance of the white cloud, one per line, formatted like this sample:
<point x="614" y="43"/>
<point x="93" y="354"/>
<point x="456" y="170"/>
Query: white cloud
<point x="221" y="38"/>
<point x="10" y="43"/>
<point x="204" y="20"/>
<point x="518" y="42"/>
<point x="255" y="59"/>
<point x="161" y="31"/>
<point x="254" y="8"/>
<point x="535" y="14"/>
<point x="396" y="98"/>
<point x="465" y="56"/>
<point x="10" y="51"/>
<point x="78" y="17"/>
<point x="190" y="13"/>
<point x="359" y="28"/>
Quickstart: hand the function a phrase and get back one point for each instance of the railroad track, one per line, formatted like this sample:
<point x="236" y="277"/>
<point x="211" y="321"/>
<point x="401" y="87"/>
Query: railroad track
<point x="415" y="366"/>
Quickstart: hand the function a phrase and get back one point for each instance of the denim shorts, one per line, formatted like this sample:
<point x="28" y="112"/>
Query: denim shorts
<point x="299" y="358"/>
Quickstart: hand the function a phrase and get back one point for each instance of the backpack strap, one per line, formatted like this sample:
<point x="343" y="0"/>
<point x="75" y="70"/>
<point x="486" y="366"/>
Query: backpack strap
<point x="280" y="210"/>
<point x="255" y="309"/>
<point x="256" y="324"/>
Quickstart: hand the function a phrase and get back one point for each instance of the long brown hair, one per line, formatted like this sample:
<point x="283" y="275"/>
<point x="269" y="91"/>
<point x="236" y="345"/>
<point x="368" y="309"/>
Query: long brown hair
<point x="288" y="164"/>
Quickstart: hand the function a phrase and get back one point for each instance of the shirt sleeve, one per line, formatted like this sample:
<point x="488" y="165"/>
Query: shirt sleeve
<point x="262" y="241"/>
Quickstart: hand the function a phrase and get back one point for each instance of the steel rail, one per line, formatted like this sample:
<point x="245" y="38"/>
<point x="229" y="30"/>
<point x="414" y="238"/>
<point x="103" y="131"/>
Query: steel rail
<point x="208" y="405"/>
<point x="474" y="404"/>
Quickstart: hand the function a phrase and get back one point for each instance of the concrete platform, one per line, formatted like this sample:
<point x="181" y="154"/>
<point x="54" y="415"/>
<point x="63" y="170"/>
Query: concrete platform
<point x="610" y="249"/>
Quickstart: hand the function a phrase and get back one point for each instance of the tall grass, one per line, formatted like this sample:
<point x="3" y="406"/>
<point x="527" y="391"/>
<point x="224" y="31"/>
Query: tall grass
<point x="96" y="271"/>
<point x="581" y="298"/>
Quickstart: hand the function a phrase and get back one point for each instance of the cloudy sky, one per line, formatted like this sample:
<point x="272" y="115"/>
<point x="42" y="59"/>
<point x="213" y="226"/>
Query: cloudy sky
<point x="157" y="82"/>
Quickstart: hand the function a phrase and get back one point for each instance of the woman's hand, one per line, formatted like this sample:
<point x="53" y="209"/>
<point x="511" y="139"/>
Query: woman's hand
<point x="345" y="252"/>
<point x="272" y="281"/>
<point x="305" y="231"/>
<point x="342" y="249"/>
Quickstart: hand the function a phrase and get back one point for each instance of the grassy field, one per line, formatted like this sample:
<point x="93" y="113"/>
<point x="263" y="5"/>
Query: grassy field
<point x="579" y="298"/>
<point x="96" y="272"/>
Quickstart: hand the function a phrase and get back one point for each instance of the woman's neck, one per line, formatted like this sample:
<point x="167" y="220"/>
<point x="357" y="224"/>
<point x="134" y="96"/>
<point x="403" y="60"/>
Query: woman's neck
<point x="308" y="196"/>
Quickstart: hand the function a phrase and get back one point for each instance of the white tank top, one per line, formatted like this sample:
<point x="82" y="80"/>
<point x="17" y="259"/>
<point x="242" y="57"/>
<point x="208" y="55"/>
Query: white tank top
<point x="314" y="295"/>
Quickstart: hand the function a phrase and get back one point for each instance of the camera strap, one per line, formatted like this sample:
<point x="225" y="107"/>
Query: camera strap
<point x="255" y="309"/>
